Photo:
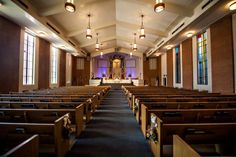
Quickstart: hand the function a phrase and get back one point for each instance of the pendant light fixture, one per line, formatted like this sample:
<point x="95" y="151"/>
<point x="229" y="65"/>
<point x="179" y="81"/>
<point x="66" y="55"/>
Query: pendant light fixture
<point x="89" y="32"/>
<point x="70" y="6"/>
<point x="101" y="53"/>
<point x="131" y="52"/>
<point x="97" y="46"/>
<point x="142" y="32"/>
<point x="135" y="45"/>
<point x="159" y="6"/>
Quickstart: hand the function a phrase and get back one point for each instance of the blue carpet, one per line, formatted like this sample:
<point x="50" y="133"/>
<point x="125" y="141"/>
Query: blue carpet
<point x="113" y="132"/>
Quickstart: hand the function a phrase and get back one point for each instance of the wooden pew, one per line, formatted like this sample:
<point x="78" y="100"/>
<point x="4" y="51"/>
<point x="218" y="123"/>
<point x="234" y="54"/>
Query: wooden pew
<point x="181" y="148"/>
<point x="53" y="136"/>
<point x="180" y="98"/>
<point x="88" y="108"/>
<point x="36" y="116"/>
<point x="182" y="105"/>
<point x="188" y="116"/>
<point x="23" y="146"/>
<point x="214" y="133"/>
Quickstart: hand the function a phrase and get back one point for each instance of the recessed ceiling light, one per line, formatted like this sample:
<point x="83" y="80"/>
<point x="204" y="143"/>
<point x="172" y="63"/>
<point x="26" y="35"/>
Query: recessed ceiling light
<point x="41" y="34"/>
<point x="232" y="6"/>
<point x="189" y="34"/>
<point x="1" y="4"/>
<point x="168" y="47"/>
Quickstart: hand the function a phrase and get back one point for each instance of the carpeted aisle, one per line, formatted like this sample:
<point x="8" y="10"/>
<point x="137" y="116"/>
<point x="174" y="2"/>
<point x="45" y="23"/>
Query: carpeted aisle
<point x="113" y="132"/>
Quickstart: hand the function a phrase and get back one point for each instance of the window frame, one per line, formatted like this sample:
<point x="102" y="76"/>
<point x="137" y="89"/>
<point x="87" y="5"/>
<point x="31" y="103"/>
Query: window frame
<point x="177" y="65"/>
<point x="202" y="59"/>
<point x="54" y="65"/>
<point x="29" y="80"/>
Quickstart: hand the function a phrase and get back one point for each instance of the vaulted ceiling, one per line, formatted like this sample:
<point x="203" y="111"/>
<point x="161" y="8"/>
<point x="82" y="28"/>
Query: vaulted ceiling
<point x="115" y="20"/>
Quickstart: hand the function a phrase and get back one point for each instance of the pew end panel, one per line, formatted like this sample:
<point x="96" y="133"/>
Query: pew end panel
<point x="182" y="149"/>
<point x="29" y="147"/>
<point x="79" y="114"/>
<point x="64" y="138"/>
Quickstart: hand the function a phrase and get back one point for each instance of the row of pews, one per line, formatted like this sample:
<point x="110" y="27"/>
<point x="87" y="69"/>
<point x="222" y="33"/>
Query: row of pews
<point x="185" y="123"/>
<point x="46" y="122"/>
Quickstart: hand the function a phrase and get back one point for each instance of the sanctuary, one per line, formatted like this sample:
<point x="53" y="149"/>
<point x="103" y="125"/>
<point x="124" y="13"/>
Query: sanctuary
<point x="117" y="67"/>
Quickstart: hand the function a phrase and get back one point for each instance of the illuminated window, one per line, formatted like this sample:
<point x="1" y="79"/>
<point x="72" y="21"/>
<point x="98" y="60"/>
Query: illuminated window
<point x="29" y="59"/>
<point x="202" y="60"/>
<point x="54" y="65"/>
<point x="177" y="65"/>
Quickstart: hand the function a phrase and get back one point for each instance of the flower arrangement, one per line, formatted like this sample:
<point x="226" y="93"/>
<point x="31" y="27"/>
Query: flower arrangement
<point x="152" y="133"/>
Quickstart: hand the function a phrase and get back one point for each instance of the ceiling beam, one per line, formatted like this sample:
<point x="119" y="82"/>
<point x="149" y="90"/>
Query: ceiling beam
<point x="105" y="51"/>
<point x="101" y="41"/>
<point x="147" y="30"/>
<point x="144" y="43"/>
<point x="113" y="49"/>
<point x="95" y="28"/>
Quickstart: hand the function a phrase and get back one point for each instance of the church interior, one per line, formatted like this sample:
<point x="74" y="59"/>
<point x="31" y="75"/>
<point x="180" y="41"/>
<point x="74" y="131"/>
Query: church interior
<point x="120" y="78"/>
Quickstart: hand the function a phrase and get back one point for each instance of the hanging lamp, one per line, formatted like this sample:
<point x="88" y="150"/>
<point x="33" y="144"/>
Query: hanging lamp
<point x="89" y="32"/>
<point x="142" y="32"/>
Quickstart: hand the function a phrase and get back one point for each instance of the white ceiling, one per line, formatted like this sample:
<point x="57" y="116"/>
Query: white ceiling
<point x="115" y="20"/>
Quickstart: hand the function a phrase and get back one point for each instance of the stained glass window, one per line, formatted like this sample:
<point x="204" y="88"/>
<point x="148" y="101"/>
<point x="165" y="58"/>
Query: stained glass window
<point x="202" y="59"/>
<point x="177" y="65"/>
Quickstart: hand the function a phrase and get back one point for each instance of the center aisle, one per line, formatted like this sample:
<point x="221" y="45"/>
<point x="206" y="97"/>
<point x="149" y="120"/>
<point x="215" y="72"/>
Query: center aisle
<point x="113" y="132"/>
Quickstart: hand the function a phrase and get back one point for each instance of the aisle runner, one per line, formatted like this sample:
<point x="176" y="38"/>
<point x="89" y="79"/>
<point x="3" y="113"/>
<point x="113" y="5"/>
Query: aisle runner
<point x="113" y="132"/>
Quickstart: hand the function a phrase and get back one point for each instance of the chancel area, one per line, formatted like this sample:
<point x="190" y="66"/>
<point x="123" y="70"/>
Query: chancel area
<point x="117" y="78"/>
<point x="117" y="67"/>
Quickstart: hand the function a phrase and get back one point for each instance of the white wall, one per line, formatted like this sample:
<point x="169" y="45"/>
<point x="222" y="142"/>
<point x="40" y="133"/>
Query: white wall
<point x="21" y="86"/>
<point x="178" y="85"/>
<point x="163" y="67"/>
<point x="194" y="46"/>
<point x="68" y="69"/>
<point x="234" y="43"/>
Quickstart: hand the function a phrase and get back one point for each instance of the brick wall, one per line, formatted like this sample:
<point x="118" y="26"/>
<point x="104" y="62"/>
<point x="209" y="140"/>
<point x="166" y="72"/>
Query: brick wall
<point x="187" y="63"/>
<point x="222" y="56"/>
<point x="44" y="64"/>
<point x="9" y="55"/>
<point x="169" y="68"/>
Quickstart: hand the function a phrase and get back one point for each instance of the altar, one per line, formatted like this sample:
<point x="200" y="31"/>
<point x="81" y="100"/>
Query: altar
<point x="117" y="81"/>
<point x="97" y="82"/>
